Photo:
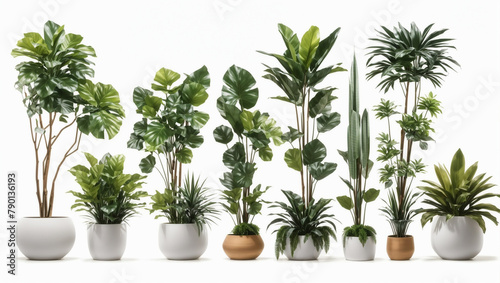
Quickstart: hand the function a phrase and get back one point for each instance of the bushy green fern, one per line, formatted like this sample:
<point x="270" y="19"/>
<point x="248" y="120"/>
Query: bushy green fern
<point x="245" y="229"/>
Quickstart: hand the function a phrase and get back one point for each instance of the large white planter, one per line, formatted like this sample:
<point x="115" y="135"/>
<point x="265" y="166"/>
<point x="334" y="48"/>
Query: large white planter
<point x="304" y="251"/>
<point x="459" y="238"/>
<point x="181" y="241"/>
<point x="45" y="238"/>
<point x="107" y="241"/>
<point x="354" y="250"/>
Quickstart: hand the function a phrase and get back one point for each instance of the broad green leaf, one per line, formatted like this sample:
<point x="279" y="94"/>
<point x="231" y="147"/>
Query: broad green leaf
<point x="324" y="48"/>
<point x="71" y="41"/>
<point x="246" y="118"/>
<point x="292" y="135"/>
<point x="238" y="87"/>
<point x="258" y="139"/>
<point x="228" y="182"/>
<point x="232" y="115"/>
<point x="223" y="134"/>
<point x="243" y="174"/>
<point x="353" y="144"/>
<point x="365" y="140"/>
<point x="327" y="122"/>
<point x="200" y="76"/>
<point x="156" y="134"/>
<point x="234" y="155"/>
<point x="266" y="153"/>
<point x="308" y="46"/>
<point x="184" y="155"/>
<point x="147" y="164"/>
<point x="314" y="151"/>
<point x="91" y="159"/>
<point x="318" y="103"/>
<point x="346" y="202"/>
<point x="371" y="195"/>
<point x="293" y="158"/>
<point x="135" y="142"/>
<point x="291" y="41"/>
<point x="199" y="120"/>
<point x="165" y="78"/>
<point x="321" y="170"/>
<point x="457" y="169"/>
<point x="194" y="93"/>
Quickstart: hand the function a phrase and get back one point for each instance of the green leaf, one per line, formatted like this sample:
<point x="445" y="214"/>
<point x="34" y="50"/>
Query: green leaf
<point x="308" y="46"/>
<point x="293" y="159"/>
<point x="292" y="135"/>
<point x="246" y="118"/>
<point x="238" y="87"/>
<point x="346" y="202"/>
<point x="457" y="169"/>
<point x="232" y="115"/>
<point x="321" y="170"/>
<point x="156" y="134"/>
<point x="234" y="155"/>
<point x="199" y="120"/>
<point x="223" y="134"/>
<point x="314" y="151"/>
<point x="91" y="159"/>
<point x="266" y="153"/>
<point x="243" y="174"/>
<point x="200" y="76"/>
<point x="147" y="164"/>
<point x="371" y="195"/>
<point x="139" y="96"/>
<point x="326" y="122"/>
<point x="135" y="142"/>
<point x="319" y="102"/>
<point x="165" y="78"/>
<point x="324" y="48"/>
<point x="184" y="155"/>
<point x="194" y="93"/>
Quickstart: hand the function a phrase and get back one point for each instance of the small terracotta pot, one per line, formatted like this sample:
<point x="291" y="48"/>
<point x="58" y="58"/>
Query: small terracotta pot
<point x="400" y="248"/>
<point x="243" y="247"/>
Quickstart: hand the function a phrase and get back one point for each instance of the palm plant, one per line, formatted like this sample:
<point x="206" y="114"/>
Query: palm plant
<point x="254" y="132"/>
<point x="407" y="57"/>
<point x="59" y="98"/>
<point x="299" y="219"/>
<point x="357" y="158"/>
<point x="109" y="196"/>
<point x="459" y="192"/>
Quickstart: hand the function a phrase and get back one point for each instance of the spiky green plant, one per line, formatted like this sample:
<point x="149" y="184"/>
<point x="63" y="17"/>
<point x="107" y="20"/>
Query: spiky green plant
<point x="357" y="158"/>
<point x="299" y="219"/>
<point x="458" y="193"/>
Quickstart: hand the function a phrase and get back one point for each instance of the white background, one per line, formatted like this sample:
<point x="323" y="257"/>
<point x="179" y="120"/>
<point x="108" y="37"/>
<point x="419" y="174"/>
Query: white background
<point x="133" y="39"/>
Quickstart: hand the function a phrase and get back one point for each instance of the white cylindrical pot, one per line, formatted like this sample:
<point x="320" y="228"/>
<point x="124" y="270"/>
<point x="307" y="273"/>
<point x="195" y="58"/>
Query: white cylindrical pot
<point x="45" y="238"/>
<point x="459" y="238"/>
<point x="354" y="249"/>
<point x="107" y="241"/>
<point x="304" y="251"/>
<point x="182" y="241"/>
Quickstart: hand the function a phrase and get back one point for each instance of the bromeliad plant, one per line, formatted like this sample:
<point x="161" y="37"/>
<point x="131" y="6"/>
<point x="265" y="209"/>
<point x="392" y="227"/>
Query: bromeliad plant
<point x="357" y="158"/>
<point x="109" y="196"/>
<point x="169" y="129"/>
<point x="407" y="57"/>
<point x="59" y="98"/>
<point x="299" y="77"/>
<point x="254" y="132"/>
<point x="459" y="193"/>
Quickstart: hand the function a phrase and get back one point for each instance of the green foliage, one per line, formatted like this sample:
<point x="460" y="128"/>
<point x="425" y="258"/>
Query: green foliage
<point x="192" y="203"/>
<point x="407" y="57"/>
<point x="109" y="196"/>
<point x="361" y="231"/>
<point x="254" y="132"/>
<point x="299" y="219"/>
<point x="459" y="192"/>
<point x="245" y="229"/>
<point x="299" y="77"/>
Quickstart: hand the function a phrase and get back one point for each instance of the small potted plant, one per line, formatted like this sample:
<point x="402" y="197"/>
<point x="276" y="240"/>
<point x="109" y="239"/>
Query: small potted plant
<point x="359" y="239"/>
<point x="299" y="78"/>
<point x="169" y="129"/>
<point x="109" y="198"/>
<point x="254" y="132"/>
<point x="406" y="58"/>
<point x="61" y="103"/>
<point x="456" y="202"/>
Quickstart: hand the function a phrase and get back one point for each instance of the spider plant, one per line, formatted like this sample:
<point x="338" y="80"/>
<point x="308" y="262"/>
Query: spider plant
<point x="407" y="58"/>
<point x="459" y="192"/>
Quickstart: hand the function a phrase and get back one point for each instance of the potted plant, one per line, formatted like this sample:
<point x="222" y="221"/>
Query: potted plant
<point x="254" y="132"/>
<point x="109" y="198"/>
<point x="299" y="77"/>
<point x="456" y="201"/>
<point x="61" y="103"/>
<point x="407" y="58"/>
<point x="358" y="240"/>
<point x="169" y="129"/>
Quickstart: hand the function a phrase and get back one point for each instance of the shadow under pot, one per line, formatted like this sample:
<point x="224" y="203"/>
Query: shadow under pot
<point x="356" y="251"/>
<point x="400" y="248"/>
<point x="107" y="241"/>
<point x="304" y="251"/>
<point x="459" y="238"/>
<point x="182" y="241"/>
<point x="45" y="238"/>
<point x="244" y="247"/>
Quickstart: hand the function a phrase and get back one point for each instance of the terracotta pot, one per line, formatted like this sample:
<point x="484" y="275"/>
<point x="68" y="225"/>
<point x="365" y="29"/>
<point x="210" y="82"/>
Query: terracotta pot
<point x="400" y="248"/>
<point x="243" y="247"/>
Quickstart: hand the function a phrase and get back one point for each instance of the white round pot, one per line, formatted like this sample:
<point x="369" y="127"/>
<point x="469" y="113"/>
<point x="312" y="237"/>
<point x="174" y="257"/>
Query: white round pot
<point x="45" y="238"/>
<point x="181" y="241"/>
<point x="107" y="241"/>
<point x="354" y="250"/>
<point x="304" y="251"/>
<point x="459" y="238"/>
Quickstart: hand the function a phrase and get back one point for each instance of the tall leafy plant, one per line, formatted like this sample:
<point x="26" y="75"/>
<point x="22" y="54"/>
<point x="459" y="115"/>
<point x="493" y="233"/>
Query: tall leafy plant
<point x="357" y="158"/>
<point x="169" y="129"/>
<point x="406" y="58"/>
<point x="59" y="98"/>
<point x="254" y="132"/>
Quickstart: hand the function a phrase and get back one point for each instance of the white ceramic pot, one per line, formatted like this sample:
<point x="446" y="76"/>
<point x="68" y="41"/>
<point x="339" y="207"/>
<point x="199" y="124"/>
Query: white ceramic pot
<point x="45" y="238"/>
<point x="354" y="250"/>
<point x="181" y="241"/>
<point x="304" y="251"/>
<point x="459" y="238"/>
<point x="107" y="241"/>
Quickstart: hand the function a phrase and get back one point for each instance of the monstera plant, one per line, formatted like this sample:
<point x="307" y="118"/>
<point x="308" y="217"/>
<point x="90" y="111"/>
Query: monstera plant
<point x="61" y="102"/>
<point x="299" y="77"/>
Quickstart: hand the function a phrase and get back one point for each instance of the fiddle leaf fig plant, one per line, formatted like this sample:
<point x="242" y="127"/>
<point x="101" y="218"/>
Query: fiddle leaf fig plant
<point x="109" y="196"/>
<point x="60" y="100"/>
<point x="299" y="77"/>
<point x="253" y="133"/>
<point x="458" y="192"/>
<point x="169" y="129"/>
<point x="406" y="58"/>
<point x="358" y="160"/>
